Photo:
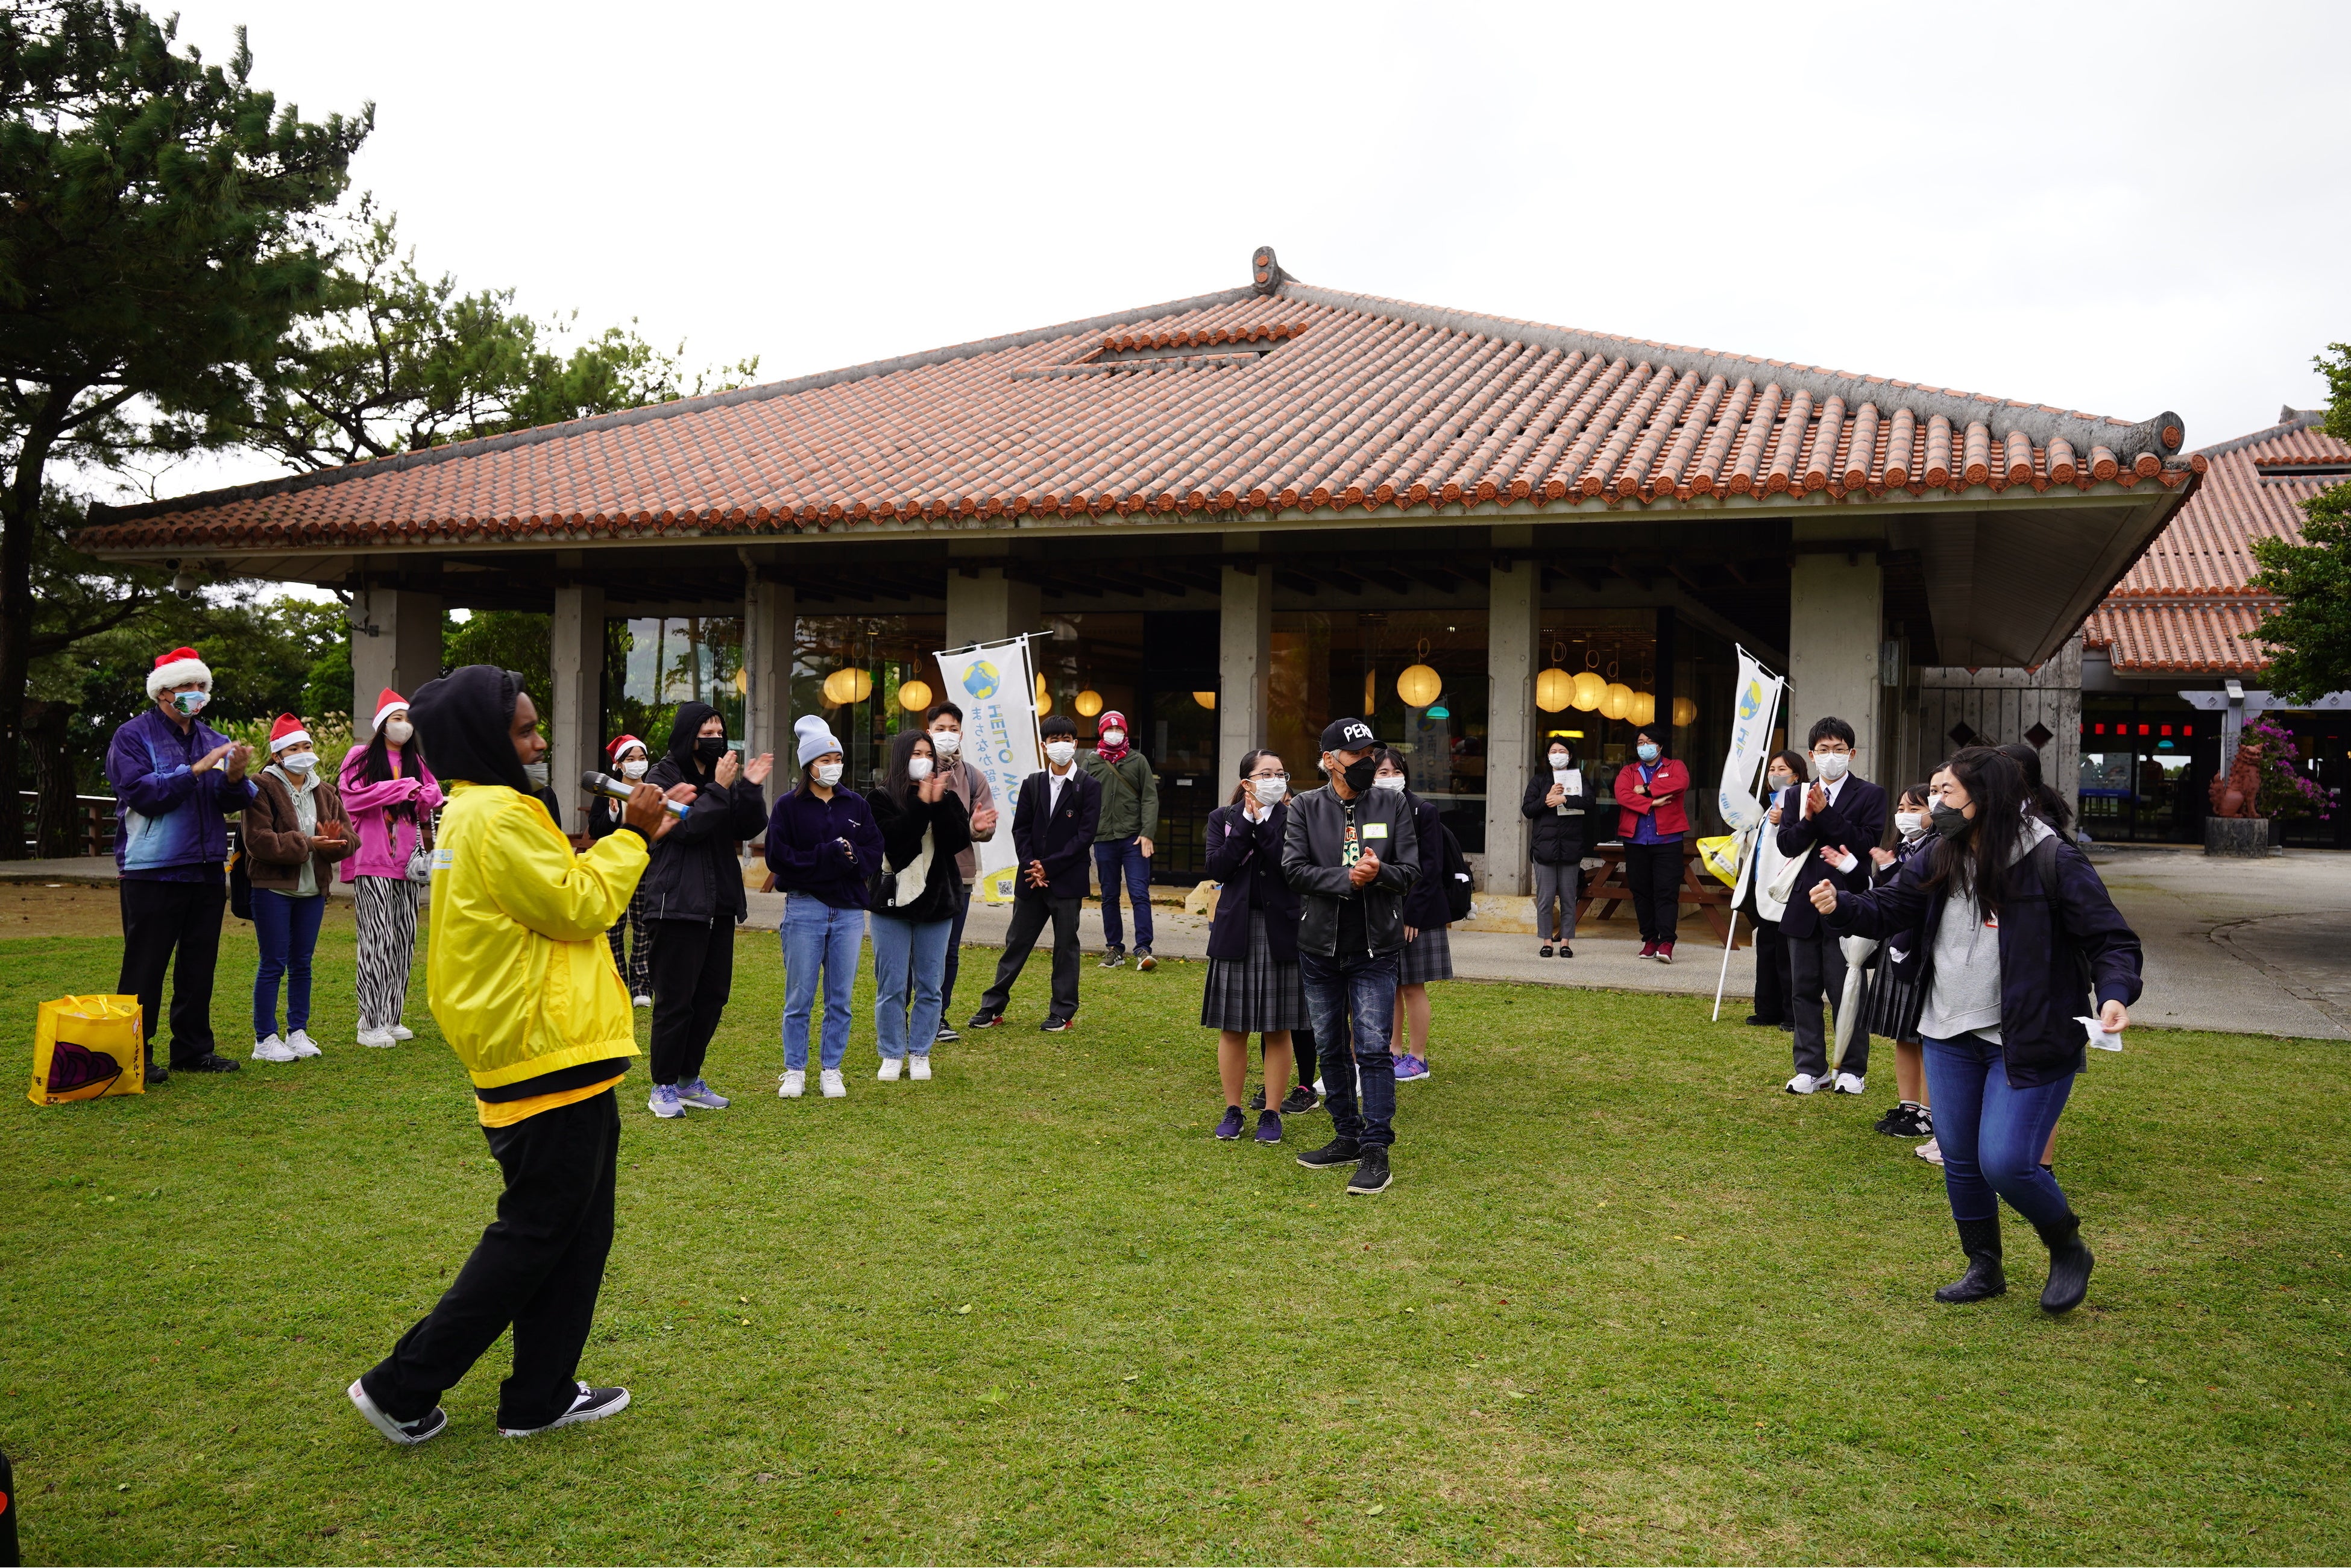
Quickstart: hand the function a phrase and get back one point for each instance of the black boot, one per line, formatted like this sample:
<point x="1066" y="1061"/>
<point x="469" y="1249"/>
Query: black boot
<point x="1979" y="1239"/>
<point x="2069" y="1265"/>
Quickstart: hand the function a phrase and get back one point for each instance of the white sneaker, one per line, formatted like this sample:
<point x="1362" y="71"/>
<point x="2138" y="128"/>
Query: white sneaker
<point x="1803" y="1083"/>
<point x="377" y="1037"/>
<point x="891" y="1066"/>
<point x="645" y="1001"/>
<point x="918" y="1068"/>
<point x="793" y="1086"/>
<point x="401" y="1031"/>
<point x="834" y="1089"/>
<point x="1318" y="1084"/>
<point x="1931" y="1151"/>
<point x="300" y="1043"/>
<point x="1848" y="1083"/>
<point x="272" y="1049"/>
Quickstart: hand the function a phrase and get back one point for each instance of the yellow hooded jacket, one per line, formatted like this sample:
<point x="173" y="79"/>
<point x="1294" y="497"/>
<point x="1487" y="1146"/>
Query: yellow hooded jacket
<point x="521" y="977"/>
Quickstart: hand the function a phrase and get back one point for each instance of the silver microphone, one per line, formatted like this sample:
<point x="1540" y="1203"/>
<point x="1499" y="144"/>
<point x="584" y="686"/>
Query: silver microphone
<point x="596" y="783"/>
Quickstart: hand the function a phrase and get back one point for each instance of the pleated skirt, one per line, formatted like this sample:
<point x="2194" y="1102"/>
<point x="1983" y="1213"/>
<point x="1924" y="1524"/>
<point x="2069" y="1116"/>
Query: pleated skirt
<point x="1893" y="1005"/>
<point x="1427" y="957"/>
<point x="1254" y="994"/>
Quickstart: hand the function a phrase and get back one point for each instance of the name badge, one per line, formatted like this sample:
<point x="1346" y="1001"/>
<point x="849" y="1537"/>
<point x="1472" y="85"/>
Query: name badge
<point x="444" y="857"/>
<point x="1375" y="830"/>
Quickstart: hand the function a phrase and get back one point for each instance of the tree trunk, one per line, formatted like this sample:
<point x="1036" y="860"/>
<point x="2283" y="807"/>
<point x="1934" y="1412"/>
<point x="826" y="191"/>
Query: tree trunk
<point x="20" y="520"/>
<point x="59" y="828"/>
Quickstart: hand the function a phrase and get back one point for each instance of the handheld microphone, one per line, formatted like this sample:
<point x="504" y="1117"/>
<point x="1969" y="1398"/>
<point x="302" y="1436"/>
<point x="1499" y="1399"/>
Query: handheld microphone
<point x="596" y="783"/>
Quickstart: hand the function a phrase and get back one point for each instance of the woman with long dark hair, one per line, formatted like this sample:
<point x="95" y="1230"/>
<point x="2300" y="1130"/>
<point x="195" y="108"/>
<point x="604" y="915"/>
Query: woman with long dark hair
<point x="390" y="796"/>
<point x="1254" y="985"/>
<point x="1652" y="824"/>
<point x="1427" y="952"/>
<point x="2018" y="931"/>
<point x="924" y="827"/>
<point x="1786" y="771"/>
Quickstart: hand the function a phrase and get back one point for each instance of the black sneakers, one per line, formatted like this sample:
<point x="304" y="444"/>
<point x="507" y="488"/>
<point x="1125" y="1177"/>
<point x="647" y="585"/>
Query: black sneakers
<point x="1058" y="1026"/>
<point x="1331" y="1155"/>
<point x="1297" y="1102"/>
<point x="985" y="1021"/>
<point x="1144" y="961"/>
<point x="1371" y="1172"/>
<point x="211" y="1061"/>
<point x="1907" y="1120"/>
<point x="1114" y="958"/>
<point x="587" y="1404"/>
<point x="407" y="1434"/>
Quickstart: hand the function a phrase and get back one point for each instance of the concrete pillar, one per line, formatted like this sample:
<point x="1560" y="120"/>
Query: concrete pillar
<point x="1514" y="624"/>
<point x="1835" y="617"/>
<point x="395" y="643"/>
<point x="768" y="612"/>
<point x="987" y="606"/>
<point x="576" y="652"/>
<point x="1244" y="668"/>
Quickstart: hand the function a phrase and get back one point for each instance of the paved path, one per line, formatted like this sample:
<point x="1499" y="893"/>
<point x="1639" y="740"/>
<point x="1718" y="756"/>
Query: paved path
<point x="2260" y="947"/>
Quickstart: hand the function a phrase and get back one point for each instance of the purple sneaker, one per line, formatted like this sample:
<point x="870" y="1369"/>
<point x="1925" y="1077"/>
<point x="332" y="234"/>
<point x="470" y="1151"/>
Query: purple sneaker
<point x="1410" y="1069"/>
<point x="1230" y="1127"/>
<point x="1269" y="1127"/>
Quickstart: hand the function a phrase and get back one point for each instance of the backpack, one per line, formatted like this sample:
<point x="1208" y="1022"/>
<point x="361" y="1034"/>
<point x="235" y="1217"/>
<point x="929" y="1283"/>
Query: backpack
<point x="1457" y="886"/>
<point x="2045" y="866"/>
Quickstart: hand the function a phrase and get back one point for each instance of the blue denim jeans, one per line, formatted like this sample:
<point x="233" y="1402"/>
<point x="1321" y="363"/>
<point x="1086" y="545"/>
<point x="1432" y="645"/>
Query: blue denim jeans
<point x="1112" y="859"/>
<point x="820" y="942"/>
<point x="1992" y="1135"/>
<point x="1354" y="996"/>
<point x="288" y="930"/>
<point x="909" y="960"/>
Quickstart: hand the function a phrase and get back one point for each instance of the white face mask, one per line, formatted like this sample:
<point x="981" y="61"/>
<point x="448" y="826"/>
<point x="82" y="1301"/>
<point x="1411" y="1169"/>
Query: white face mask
<point x="1060" y="753"/>
<point x="634" y="768"/>
<point x="1910" y="824"/>
<point x="1113" y="739"/>
<point x="298" y="762"/>
<point x="1559" y="759"/>
<point x="1270" y="792"/>
<point x="947" y="742"/>
<point x="191" y="703"/>
<point x="1388" y="781"/>
<point x="828" y="774"/>
<point x="536" y="773"/>
<point x="1782" y="781"/>
<point x="918" y="768"/>
<point x="398" y="731"/>
<point x="1832" y="764"/>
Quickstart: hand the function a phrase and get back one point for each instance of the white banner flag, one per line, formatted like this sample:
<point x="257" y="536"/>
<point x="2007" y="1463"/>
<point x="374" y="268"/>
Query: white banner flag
<point x="993" y="685"/>
<point x="1755" y="709"/>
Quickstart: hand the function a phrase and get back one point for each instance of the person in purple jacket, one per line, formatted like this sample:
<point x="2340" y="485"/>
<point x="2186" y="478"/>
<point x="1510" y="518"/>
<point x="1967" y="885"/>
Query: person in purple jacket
<point x="824" y="849"/>
<point x="176" y="781"/>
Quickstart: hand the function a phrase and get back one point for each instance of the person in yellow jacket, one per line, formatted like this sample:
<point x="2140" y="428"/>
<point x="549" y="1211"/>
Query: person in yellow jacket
<point x="522" y="984"/>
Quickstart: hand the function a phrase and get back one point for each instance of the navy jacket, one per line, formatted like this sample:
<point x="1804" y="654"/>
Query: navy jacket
<point x="1425" y="903"/>
<point x="1065" y="843"/>
<point x="804" y="851"/>
<point x="2040" y="1041"/>
<point x="171" y="821"/>
<point x="1246" y="857"/>
<point x="1856" y="820"/>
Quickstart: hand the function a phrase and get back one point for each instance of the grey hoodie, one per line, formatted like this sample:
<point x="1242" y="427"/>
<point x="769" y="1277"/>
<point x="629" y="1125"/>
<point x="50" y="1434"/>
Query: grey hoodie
<point x="1964" y="996"/>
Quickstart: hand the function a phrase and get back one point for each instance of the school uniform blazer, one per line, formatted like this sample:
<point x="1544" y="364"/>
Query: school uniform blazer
<point x="1062" y="838"/>
<point x="1246" y="857"/>
<point x="1855" y="818"/>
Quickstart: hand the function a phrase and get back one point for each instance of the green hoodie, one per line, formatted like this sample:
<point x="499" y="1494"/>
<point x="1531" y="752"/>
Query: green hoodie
<point x="1130" y="796"/>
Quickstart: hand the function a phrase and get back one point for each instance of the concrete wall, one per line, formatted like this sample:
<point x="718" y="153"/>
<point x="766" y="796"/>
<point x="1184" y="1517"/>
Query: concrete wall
<point x="1512" y="626"/>
<point x="576" y="652"/>
<point x="1836" y="625"/>
<point x="1244" y="667"/>
<point x="395" y="643"/>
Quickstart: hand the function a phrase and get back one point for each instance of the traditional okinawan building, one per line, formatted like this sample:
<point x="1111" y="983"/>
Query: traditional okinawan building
<point x="1233" y="516"/>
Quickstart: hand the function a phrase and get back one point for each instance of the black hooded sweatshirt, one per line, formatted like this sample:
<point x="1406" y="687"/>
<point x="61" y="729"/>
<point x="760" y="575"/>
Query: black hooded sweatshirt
<point x="695" y="874"/>
<point x="466" y="721"/>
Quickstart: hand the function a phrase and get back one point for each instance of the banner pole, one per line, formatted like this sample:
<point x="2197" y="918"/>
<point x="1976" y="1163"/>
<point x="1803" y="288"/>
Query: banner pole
<point x="1721" y="980"/>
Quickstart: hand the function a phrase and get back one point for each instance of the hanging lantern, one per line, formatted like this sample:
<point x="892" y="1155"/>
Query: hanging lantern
<point x="1617" y="701"/>
<point x="1418" y="684"/>
<point x="1554" y="689"/>
<point x="1587" y="689"/>
<point x="742" y="683"/>
<point x="1643" y="708"/>
<point x="914" y="696"/>
<point x="1088" y="704"/>
<point x="1044" y="698"/>
<point x="847" y="685"/>
<point x="1685" y="713"/>
<point x="1371" y="693"/>
<point x="1206" y="699"/>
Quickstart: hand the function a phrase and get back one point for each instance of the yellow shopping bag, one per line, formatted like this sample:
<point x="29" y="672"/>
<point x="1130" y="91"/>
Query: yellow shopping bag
<point x="85" y="1047"/>
<point x="1720" y="856"/>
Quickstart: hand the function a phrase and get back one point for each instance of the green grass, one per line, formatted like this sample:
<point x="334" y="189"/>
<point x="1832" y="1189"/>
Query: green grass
<point x="1625" y="1303"/>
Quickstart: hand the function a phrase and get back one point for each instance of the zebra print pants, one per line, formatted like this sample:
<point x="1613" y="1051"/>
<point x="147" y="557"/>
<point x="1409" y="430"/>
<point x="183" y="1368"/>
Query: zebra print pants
<point x="387" y="916"/>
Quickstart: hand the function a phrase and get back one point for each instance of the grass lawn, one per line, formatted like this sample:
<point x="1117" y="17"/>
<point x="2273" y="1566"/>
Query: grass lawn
<point x="1625" y="1303"/>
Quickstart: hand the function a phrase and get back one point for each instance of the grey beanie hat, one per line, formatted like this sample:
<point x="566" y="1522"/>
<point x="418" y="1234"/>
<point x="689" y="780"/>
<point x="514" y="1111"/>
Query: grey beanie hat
<point x="815" y="738"/>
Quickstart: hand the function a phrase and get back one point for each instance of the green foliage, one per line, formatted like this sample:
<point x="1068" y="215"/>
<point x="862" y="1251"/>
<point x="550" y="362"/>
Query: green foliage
<point x="516" y="639"/>
<point x="399" y="361"/>
<point x="331" y="735"/>
<point x="2336" y="366"/>
<point x="2309" y="636"/>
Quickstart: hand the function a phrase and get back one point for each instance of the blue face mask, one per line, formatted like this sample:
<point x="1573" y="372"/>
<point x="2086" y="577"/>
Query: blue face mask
<point x="1647" y="753"/>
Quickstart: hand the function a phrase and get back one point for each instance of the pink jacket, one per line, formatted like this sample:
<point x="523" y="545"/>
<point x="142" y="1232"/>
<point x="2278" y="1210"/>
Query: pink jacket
<point x="384" y="844"/>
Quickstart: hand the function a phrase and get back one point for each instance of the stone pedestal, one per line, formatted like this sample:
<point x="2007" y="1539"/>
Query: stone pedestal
<point x="2245" y="836"/>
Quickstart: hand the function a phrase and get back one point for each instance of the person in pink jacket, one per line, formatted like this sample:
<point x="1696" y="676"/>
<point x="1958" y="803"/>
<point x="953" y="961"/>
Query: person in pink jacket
<point x="390" y="796"/>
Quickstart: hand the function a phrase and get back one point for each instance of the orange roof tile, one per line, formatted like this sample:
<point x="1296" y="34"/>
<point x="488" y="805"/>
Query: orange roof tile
<point x="1228" y="404"/>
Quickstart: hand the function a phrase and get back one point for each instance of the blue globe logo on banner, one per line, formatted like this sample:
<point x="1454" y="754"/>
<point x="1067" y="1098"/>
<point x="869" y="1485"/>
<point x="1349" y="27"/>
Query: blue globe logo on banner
<point x="981" y="680"/>
<point x="1753" y="703"/>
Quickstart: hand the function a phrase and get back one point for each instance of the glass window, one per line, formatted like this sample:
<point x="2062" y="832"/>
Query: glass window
<point x="858" y="673"/>
<point x="654" y="663"/>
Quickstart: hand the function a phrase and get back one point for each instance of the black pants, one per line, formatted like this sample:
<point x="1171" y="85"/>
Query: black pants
<point x="537" y="1267"/>
<point x="1816" y="974"/>
<point x="1028" y="917"/>
<point x="694" y="971"/>
<point x="1653" y="873"/>
<point x="955" y="955"/>
<point x="1771" y="973"/>
<point x="1301" y="1050"/>
<point x="157" y="918"/>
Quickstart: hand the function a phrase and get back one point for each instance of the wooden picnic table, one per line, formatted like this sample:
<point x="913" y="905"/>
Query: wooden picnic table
<point x="1608" y="888"/>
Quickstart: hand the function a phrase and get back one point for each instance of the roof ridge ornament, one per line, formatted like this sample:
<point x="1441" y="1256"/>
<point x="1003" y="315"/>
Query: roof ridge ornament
<point x="1265" y="273"/>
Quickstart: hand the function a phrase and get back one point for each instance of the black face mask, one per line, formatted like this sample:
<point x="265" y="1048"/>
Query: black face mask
<point x="1359" y="774"/>
<point x="709" y="748"/>
<point x="1949" y="822"/>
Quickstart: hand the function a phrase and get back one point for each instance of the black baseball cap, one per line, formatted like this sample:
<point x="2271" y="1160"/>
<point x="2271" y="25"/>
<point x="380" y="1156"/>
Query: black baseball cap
<point x="1348" y="734"/>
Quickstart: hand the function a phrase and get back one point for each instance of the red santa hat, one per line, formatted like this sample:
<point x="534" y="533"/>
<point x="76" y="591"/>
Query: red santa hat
<point x="622" y="743"/>
<point x="387" y="702"/>
<point x="288" y="731"/>
<point x="177" y="668"/>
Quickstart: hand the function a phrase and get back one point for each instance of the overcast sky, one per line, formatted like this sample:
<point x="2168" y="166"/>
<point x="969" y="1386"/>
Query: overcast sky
<point x="2119" y="209"/>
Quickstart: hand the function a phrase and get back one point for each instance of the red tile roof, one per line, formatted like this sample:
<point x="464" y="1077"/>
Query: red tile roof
<point x="2185" y="606"/>
<point x="1238" y="402"/>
